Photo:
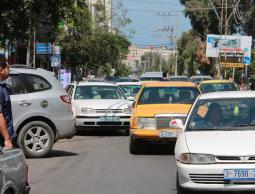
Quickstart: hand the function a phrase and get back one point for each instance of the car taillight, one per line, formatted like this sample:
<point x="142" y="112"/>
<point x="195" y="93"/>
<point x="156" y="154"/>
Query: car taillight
<point x="66" y="99"/>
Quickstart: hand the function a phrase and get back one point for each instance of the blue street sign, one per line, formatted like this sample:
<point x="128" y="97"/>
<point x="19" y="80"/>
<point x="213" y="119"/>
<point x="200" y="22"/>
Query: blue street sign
<point x="43" y="48"/>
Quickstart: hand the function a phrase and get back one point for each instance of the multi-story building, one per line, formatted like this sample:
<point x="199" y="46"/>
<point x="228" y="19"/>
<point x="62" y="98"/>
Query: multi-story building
<point x="134" y="57"/>
<point x="101" y="11"/>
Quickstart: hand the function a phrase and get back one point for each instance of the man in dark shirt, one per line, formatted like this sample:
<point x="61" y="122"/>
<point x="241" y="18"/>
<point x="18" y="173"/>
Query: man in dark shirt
<point x="8" y="135"/>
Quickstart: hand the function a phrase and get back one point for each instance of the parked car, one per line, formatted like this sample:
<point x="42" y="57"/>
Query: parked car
<point x="197" y="79"/>
<point x="217" y="86"/>
<point x="155" y="106"/>
<point x="41" y="109"/>
<point x="13" y="172"/>
<point x="215" y="150"/>
<point x="179" y="78"/>
<point x="152" y="76"/>
<point x="130" y="89"/>
<point x="99" y="105"/>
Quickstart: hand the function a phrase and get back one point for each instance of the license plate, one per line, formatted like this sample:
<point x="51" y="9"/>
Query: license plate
<point x="166" y="134"/>
<point x="239" y="174"/>
<point x="109" y="119"/>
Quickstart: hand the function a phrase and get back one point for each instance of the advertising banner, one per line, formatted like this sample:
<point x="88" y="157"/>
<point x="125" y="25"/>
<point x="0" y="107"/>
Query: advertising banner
<point x="230" y="49"/>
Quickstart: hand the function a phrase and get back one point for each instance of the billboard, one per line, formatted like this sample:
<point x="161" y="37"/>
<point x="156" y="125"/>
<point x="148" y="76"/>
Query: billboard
<point x="230" y="49"/>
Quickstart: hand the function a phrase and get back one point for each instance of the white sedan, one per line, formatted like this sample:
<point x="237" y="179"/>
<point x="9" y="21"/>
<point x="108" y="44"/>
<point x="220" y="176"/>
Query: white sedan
<point x="216" y="149"/>
<point x="99" y="104"/>
<point x="130" y="88"/>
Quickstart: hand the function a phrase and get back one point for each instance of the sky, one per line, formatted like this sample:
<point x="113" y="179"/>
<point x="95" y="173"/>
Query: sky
<point x="147" y="20"/>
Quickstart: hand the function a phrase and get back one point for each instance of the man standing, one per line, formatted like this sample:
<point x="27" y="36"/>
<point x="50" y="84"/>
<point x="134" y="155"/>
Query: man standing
<point x="8" y="135"/>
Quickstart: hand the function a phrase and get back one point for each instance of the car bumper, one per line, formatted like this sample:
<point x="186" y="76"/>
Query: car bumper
<point x="65" y="125"/>
<point x="211" y="177"/>
<point x="95" y="121"/>
<point x="152" y="135"/>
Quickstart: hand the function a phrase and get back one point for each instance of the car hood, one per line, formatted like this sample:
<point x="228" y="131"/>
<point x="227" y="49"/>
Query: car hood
<point x="153" y="109"/>
<point x="234" y="143"/>
<point x="101" y="104"/>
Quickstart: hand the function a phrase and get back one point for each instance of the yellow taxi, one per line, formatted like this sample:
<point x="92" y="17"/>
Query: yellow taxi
<point x="155" y="106"/>
<point x="217" y="86"/>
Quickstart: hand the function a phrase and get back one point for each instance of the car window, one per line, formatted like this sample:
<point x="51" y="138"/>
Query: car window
<point x="168" y="95"/>
<point x="223" y="114"/>
<point x="98" y="92"/>
<point x="70" y="92"/>
<point x="215" y="87"/>
<point x="16" y="85"/>
<point x="37" y="83"/>
<point x="130" y="90"/>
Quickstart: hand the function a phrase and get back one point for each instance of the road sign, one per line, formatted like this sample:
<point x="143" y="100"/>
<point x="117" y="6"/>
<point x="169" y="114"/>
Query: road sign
<point x="55" y="61"/>
<point x="43" y="48"/>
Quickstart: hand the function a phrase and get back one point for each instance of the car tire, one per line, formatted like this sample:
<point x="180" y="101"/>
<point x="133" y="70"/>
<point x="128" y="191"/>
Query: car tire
<point x="36" y="139"/>
<point x="180" y="190"/>
<point x="133" y="146"/>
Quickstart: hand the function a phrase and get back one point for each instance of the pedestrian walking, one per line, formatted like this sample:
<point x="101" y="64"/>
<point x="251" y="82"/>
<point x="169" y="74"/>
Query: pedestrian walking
<point x="8" y="136"/>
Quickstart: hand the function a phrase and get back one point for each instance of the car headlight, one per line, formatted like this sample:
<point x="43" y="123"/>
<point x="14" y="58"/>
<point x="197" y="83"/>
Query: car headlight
<point x="85" y="110"/>
<point x="188" y="158"/>
<point x="127" y="110"/>
<point x="147" y="123"/>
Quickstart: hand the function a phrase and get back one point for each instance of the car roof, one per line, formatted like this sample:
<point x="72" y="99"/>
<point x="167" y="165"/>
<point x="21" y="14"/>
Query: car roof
<point x="215" y="81"/>
<point x="152" y="74"/>
<point x="200" y="76"/>
<point x="96" y="84"/>
<point x="177" y="76"/>
<point x="230" y="95"/>
<point x="128" y="83"/>
<point x="170" y="83"/>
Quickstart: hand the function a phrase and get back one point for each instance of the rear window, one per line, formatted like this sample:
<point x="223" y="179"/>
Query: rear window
<point x="37" y="83"/>
<point x="217" y="87"/>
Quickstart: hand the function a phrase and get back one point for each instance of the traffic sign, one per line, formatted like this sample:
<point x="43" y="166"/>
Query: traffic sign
<point x="55" y="61"/>
<point x="43" y="48"/>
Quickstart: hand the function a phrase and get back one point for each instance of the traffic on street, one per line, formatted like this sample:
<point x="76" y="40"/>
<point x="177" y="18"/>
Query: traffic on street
<point x="127" y="97"/>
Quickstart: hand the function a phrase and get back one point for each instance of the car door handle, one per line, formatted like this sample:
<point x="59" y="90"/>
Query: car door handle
<point x="25" y="103"/>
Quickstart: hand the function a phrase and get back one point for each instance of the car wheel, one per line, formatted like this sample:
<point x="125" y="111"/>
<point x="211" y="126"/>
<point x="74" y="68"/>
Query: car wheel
<point x="133" y="147"/>
<point x="180" y="190"/>
<point x="36" y="139"/>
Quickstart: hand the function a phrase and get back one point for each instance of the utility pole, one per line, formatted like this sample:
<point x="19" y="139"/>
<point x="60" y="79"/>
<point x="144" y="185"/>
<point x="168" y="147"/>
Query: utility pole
<point x="171" y="35"/>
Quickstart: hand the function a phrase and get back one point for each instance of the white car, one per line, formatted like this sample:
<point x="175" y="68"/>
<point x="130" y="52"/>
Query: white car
<point x="130" y="88"/>
<point x="215" y="150"/>
<point x="99" y="104"/>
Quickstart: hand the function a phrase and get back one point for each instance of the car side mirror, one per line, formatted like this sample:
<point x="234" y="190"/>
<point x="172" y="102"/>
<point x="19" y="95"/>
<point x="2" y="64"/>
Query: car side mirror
<point x="176" y="124"/>
<point x="131" y="98"/>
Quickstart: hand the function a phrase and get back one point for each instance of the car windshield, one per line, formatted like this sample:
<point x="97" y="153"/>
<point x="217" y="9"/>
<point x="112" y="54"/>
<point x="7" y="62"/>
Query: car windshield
<point x="130" y="90"/>
<point x="215" y="87"/>
<point x="223" y="114"/>
<point x="151" y="79"/>
<point x="168" y="95"/>
<point x="98" y="92"/>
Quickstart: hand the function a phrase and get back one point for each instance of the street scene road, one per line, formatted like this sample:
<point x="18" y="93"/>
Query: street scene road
<point x="100" y="163"/>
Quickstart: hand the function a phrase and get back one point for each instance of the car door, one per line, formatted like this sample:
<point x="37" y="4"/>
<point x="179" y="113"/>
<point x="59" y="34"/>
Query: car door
<point x="19" y="97"/>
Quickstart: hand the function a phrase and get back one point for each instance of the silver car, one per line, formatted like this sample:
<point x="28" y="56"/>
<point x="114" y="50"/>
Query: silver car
<point x="41" y="109"/>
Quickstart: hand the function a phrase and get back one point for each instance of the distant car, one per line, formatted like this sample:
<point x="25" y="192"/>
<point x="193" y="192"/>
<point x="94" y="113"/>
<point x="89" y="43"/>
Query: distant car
<point x="41" y="109"/>
<point x="14" y="172"/>
<point x="130" y="88"/>
<point x="99" y="105"/>
<point x="217" y="86"/>
<point x="126" y="79"/>
<point x="197" y="79"/>
<point x="215" y="147"/>
<point x="152" y="76"/>
<point x="179" y="78"/>
<point x="155" y="106"/>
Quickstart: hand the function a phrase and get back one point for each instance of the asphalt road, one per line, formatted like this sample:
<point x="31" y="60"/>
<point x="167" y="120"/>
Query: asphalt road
<point x="100" y="163"/>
